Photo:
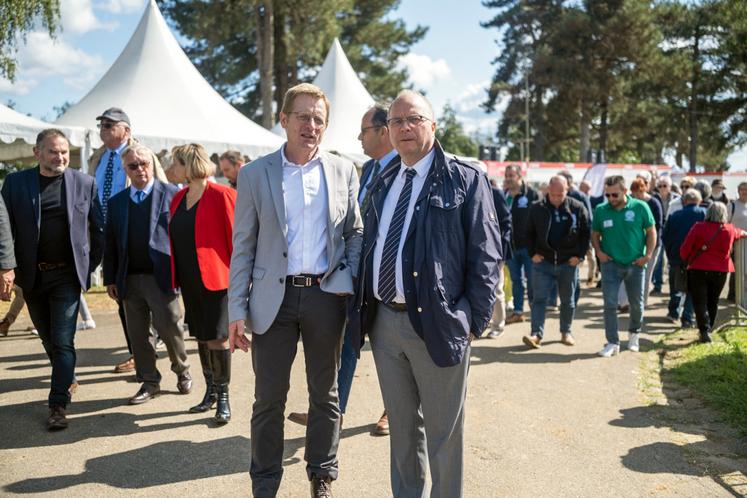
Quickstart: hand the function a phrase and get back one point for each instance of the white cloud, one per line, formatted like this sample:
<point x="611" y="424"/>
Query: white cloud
<point x="78" y="17"/>
<point x="41" y="57"/>
<point x="19" y="87"/>
<point x="121" y="6"/>
<point x="423" y="70"/>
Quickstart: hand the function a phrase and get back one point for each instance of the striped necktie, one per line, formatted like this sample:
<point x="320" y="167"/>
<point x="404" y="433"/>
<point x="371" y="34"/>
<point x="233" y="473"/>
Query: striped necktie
<point x="387" y="268"/>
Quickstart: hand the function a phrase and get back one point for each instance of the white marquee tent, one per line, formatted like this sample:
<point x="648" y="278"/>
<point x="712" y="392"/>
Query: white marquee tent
<point x="349" y="101"/>
<point x="18" y="134"/>
<point x="166" y="98"/>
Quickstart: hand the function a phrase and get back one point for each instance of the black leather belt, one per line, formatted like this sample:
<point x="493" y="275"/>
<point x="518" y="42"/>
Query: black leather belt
<point x="398" y="307"/>
<point x="303" y="280"/>
<point x="51" y="266"/>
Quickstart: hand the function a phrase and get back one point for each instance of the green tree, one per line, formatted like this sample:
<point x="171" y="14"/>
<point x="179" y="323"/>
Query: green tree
<point x="18" y="17"/>
<point x="222" y="41"/>
<point x="450" y="133"/>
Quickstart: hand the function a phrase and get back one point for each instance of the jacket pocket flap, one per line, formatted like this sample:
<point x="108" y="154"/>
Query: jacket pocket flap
<point x="258" y="273"/>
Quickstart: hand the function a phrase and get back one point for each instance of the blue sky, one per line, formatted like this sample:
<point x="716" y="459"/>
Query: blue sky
<point x="452" y="62"/>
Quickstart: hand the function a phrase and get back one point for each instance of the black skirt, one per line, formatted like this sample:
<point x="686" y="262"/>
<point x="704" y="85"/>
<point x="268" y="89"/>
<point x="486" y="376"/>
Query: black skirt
<point x="206" y="311"/>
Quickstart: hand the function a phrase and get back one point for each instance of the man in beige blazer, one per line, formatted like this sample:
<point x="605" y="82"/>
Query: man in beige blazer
<point x="296" y="246"/>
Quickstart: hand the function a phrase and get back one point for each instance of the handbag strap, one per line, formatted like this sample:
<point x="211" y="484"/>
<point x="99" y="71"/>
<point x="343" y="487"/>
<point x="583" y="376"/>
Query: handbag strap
<point x="704" y="247"/>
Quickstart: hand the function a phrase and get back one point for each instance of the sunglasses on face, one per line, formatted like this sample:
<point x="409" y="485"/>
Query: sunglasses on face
<point x="135" y="166"/>
<point x="613" y="195"/>
<point x="107" y="125"/>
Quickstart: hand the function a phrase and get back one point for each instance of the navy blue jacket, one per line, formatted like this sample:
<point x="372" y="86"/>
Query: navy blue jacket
<point x="520" y="215"/>
<point x="504" y="221"/>
<point x="159" y="247"/>
<point x="450" y="258"/>
<point x="583" y="198"/>
<point x="86" y="223"/>
<point x="676" y="228"/>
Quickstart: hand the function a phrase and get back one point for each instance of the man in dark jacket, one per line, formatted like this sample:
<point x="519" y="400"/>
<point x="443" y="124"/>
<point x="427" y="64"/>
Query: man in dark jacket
<point x="676" y="228"/>
<point x="55" y="217"/>
<point x="426" y="288"/>
<point x="558" y="234"/>
<point x="520" y="197"/>
<point x="498" y="321"/>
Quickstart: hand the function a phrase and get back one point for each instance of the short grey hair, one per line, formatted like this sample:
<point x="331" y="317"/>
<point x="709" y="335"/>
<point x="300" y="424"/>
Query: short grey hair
<point x="716" y="213"/>
<point x="140" y="150"/>
<point x="666" y="179"/>
<point x="691" y="196"/>
<point x="646" y="175"/>
<point x="703" y="188"/>
<point x="416" y="95"/>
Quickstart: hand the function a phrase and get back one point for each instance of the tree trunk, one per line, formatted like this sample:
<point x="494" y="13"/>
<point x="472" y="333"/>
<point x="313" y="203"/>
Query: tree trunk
<point x="281" y="59"/>
<point x="692" y="113"/>
<point x="585" y="127"/>
<point x="603" y="128"/>
<point x="265" y="49"/>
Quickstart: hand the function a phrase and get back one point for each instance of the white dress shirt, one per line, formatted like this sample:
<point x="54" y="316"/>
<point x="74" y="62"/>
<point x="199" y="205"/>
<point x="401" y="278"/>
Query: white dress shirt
<point x="147" y="190"/>
<point x="421" y="168"/>
<point x="306" y="213"/>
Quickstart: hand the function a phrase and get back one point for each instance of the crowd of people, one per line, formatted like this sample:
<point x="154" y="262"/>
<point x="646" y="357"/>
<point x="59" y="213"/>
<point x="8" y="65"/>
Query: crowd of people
<point x="298" y="247"/>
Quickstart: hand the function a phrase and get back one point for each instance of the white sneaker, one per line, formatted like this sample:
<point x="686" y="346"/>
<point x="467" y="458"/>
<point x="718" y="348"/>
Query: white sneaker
<point x="633" y="343"/>
<point x="609" y="350"/>
<point x="86" y="324"/>
<point x="34" y="332"/>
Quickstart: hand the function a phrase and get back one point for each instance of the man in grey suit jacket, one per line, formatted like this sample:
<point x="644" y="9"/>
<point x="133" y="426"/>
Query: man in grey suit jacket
<point x="296" y="246"/>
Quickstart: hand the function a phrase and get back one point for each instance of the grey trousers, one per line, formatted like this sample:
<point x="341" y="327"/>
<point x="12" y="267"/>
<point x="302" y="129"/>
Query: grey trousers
<point x="145" y="299"/>
<point x="425" y="405"/>
<point x="498" y="320"/>
<point x="319" y="318"/>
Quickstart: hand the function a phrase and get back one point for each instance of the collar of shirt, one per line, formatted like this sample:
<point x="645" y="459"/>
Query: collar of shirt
<point x="421" y="167"/>
<point x="148" y="189"/>
<point x="387" y="158"/>
<point x="287" y="163"/>
<point x="118" y="150"/>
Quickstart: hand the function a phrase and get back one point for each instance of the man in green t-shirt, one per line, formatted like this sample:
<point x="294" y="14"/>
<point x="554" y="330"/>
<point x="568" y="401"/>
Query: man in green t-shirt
<point x="624" y="238"/>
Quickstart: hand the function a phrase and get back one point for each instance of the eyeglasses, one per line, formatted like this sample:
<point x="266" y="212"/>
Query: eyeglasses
<point x="139" y="164"/>
<point x="613" y="195"/>
<point x="306" y="118"/>
<point x="413" y="120"/>
<point x="366" y="128"/>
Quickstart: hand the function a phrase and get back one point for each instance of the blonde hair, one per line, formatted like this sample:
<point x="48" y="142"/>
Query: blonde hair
<point x="140" y="149"/>
<point x="195" y="159"/>
<point x="303" y="89"/>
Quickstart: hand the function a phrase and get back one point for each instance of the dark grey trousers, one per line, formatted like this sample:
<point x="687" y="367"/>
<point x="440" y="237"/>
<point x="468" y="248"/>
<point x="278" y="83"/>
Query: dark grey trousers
<point x="319" y="318"/>
<point x="145" y="299"/>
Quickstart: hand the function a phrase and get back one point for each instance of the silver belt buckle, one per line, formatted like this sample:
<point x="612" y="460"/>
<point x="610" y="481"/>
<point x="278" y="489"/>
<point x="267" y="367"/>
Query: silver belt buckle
<point x="301" y="281"/>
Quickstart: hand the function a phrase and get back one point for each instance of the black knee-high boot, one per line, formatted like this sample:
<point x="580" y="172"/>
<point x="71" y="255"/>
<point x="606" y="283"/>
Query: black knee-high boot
<point x="221" y="360"/>
<point x="211" y="396"/>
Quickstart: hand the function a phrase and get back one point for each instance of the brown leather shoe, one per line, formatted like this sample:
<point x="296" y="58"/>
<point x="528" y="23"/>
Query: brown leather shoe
<point x="57" y="419"/>
<point x="144" y="395"/>
<point x="532" y="341"/>
<point x="299" y="418"/>
<point x="5" y="326"/>
<point x="125" y="366"/>
<point x="382" y="426"/>
<point x="184" y="383"/>
<point x="568" y="339"/>
<point x="514" y="318"/>
<point x="321" y="487"/>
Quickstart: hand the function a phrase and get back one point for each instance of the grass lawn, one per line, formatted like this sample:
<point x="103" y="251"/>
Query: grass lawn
<point x="718" y="373"/>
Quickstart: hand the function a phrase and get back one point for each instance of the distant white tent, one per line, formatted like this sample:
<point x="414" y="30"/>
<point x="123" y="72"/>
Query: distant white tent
<point x="18" y="134"/>
<point x="166" y="98"/>
<point x="349" y="99"/>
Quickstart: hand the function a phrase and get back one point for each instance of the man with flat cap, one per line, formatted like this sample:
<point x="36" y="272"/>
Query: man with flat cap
<point x="106" y="166"/>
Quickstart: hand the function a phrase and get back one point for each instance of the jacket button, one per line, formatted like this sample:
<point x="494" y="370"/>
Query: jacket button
<point x="420" y="310"/>
<point x="285" y="254"/>
<point x="414" y="274"/>
<point x="280" y="280"/>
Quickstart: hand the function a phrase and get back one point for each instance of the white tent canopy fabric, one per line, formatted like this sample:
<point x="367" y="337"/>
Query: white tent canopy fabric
<point x="18" y="134"/>
<point x="349" y="101"/>
<point x="168" y="101"/>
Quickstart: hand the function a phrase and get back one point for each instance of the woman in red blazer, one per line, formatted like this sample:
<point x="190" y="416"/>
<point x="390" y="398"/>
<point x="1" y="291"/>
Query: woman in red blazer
<point x="706" y="252"/>
<point x="201" y="230"/>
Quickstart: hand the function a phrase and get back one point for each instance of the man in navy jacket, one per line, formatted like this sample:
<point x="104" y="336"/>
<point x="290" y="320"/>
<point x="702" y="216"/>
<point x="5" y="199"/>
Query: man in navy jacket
<point x="57" y="226"/>
<point x="137" y="271"/>
<point x="426" y="288"/>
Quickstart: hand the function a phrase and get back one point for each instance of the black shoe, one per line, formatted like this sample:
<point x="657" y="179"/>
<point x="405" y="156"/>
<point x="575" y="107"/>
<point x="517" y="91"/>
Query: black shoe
<point x="705" y="337"/>
<point x="184" y="383"/>
<point x="210" y="397"/>
<point x="321" y="487"/>
<point x="144" y="395"/>
<point x="221" y="362"/>
<point x="688" y="325"/>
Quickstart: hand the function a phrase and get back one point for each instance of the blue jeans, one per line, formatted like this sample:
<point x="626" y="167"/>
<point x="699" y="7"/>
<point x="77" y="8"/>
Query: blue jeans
<point x="53" y="306"/>
<point x="658" y="278"/>
<point x="680" y="303"/>
<point x="348" y="362"/>
<point x="547" y="276"/>
<point x="613" y="274"/>
<point x="519" y="261"/>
